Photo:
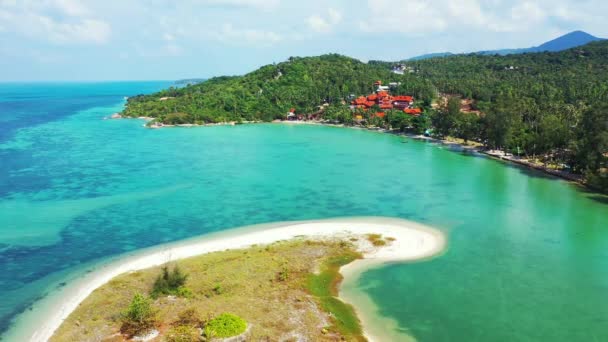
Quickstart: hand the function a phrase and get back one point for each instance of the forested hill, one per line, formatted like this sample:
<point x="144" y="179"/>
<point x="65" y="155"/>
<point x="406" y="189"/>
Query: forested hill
<point x="567" y="77"/>
<point x="271" y="91"/>
<point x="570" y="76"/>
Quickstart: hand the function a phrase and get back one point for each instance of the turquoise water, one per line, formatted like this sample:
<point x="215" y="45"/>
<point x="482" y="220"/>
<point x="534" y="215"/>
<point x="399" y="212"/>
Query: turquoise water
<point x="528" y="255"/>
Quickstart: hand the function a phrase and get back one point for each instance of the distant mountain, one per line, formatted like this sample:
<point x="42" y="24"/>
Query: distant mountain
<point x="567" y="41"/>
<point x="190" y="81"/>
<point x="431" y="55"/>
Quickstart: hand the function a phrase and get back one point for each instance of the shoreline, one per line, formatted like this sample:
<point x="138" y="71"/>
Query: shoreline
<point x="413" y="242"/>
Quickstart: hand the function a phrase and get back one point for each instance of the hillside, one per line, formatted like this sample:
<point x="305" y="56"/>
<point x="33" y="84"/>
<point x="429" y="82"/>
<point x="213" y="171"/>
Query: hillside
<point x="269" y="92"/>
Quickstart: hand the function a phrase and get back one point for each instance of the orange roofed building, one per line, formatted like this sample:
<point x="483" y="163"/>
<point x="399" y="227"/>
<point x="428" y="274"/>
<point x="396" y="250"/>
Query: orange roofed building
<point x="383" y="99"/>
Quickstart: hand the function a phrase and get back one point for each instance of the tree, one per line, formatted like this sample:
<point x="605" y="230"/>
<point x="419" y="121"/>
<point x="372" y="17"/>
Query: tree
<point x="399" y="120"/>
<point x="444" y="119"/>
<point x="592" y="146"/>
<point x="467" y="126"/>
<point x="501" y="122"/>
<point x="169" y="283"/>
<point x="139" y="316"/>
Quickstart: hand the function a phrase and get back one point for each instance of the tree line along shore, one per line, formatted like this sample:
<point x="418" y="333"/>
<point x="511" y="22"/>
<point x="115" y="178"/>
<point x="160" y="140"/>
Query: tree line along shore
<point x="549" y="109"/>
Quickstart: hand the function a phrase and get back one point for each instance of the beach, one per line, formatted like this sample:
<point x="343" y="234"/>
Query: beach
<point x="412" y="242"/>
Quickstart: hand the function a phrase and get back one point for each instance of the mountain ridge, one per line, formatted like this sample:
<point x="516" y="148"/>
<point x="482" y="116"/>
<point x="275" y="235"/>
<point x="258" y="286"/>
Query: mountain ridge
<point x="564" y="42"/>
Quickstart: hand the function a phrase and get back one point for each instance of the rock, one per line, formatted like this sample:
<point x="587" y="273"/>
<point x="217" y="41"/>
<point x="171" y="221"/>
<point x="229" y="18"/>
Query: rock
<point x="116" y="116"/>
<point x="150" y="335"/>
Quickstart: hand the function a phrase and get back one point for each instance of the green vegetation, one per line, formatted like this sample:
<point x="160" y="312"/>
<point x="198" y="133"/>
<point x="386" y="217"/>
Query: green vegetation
<point x="225" y="325"/>
<point x="324" y="285"/>
<point x="139" y="316"/>
<point x="262" y="284"/>
<point x="271" y="91"/>
<point x="171" y="283"/>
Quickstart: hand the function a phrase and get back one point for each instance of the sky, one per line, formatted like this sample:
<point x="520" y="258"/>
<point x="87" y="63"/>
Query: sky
<point x="97" y="40"/>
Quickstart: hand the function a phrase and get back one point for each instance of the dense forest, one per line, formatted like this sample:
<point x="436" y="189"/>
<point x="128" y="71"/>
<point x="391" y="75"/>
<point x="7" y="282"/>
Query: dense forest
<point x="549" y="106"/>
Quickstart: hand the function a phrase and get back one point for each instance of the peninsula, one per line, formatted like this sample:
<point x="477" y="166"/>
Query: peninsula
<point x="293" y="265"/>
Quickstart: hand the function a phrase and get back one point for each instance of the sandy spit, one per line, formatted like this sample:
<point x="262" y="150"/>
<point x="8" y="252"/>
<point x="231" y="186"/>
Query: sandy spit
<point x="413" y="241"/>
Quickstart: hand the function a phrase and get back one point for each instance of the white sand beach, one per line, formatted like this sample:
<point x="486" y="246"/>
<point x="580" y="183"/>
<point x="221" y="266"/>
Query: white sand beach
<point x="412" y="242"/>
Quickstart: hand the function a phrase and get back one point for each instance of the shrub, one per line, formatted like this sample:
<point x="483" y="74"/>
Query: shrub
<point x="283" y="275"/>
<point x="139" y="316"/>
<point x="170" y="283"/>
<point x="183" y="333"/>
<point x="225" y="325"/>
<point x="218" y="289"/>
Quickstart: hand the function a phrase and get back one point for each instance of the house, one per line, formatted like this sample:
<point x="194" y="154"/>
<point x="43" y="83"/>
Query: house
<point x="403" y="102"/>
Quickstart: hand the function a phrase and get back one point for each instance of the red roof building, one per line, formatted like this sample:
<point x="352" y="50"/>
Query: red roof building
<point x="413" y="111"/>
<point x="380" y="114"/>
<point x="404" y="98"/>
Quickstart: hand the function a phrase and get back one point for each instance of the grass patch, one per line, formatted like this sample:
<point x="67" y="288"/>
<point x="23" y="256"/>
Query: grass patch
<point x="324" y="286"/>
<point x="225" y="325"/>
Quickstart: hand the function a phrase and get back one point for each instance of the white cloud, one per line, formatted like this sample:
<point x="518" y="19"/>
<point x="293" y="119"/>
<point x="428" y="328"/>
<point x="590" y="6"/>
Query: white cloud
<point x="71" y="7"/>
<point x="317" y="23"/>
<point x="419" y="17"/>
<point x="412" y="17"/>
<point x="326" y="23"/>
<point x="231" y="35"/>
<point x="172" y="49"/>
<point x="38" y="20"/>
<point x="334" y="15"/>
<point x="259" y="4"/>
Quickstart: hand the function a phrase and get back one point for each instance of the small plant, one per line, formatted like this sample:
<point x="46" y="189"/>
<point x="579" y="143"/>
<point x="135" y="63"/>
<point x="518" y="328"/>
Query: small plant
<point x="139" y="316"/>
<point x="170" y="283"/>
<point x="225" y="325"/>
<point x="283" y="275"/>
<point x="183" y="333"/>
<point x="218" y="289"/>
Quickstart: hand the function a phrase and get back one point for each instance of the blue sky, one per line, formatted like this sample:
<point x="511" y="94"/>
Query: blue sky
<point x="161" y="39"/>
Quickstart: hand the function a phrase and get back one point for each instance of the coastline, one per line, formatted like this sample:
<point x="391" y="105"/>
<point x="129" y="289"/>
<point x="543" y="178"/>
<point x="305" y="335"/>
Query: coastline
<point x="413" y="241"/>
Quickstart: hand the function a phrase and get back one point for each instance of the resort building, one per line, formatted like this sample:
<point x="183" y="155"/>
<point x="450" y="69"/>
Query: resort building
<point x="385" y="101"/>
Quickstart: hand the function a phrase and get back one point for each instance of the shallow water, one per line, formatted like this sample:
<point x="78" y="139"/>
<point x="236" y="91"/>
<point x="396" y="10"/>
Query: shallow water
<point x="527" y="256"/>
